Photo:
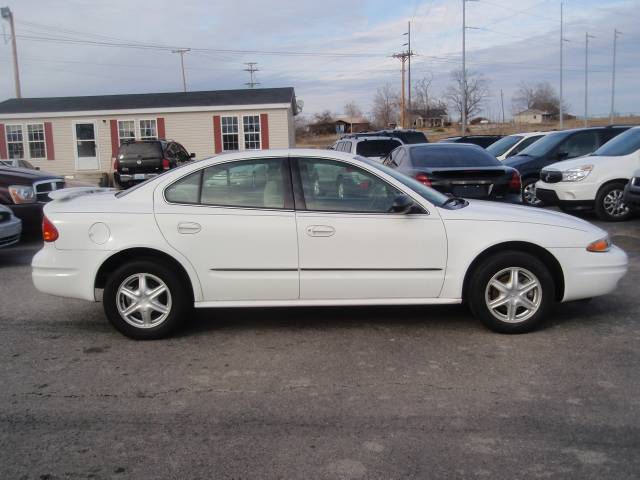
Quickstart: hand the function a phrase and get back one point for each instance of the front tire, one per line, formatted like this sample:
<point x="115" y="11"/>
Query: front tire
<point x="610" y="206"/>
<point x="529" y="193"/>
<point x="145" y="300"/>
<point x="511" y="292"/>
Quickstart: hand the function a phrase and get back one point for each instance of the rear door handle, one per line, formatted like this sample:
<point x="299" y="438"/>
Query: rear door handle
<point x="189" y="227"/>
<point x="320" y="230"/>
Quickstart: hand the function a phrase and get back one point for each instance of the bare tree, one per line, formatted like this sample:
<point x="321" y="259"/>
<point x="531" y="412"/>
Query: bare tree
<point x="386" y="106"/>
<point x="422" y="93"/>
<point x="352" y="110"/>
<point x="323" y="117"/>
<point x="541" y="96"/>
<point x="477" y="89"/>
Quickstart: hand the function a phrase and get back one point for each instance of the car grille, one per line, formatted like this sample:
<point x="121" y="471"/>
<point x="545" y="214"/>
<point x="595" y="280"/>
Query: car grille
<point x="9" y="240"/>
<point x="551" y="176"/>
<point x="44" y="187"/>
<point x="4" y="216"/>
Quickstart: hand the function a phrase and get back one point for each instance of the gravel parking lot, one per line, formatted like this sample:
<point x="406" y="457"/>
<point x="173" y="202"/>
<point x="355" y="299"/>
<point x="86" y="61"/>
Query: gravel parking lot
<point x="319" y="393"/>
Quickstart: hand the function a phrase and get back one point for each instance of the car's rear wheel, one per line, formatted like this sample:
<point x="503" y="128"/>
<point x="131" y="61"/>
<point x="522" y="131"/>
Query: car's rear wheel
<point x="511" y="292"/>
<point x="529" y="194"/>
<point x="610" y="205"/>
<point x="145" y="300"/>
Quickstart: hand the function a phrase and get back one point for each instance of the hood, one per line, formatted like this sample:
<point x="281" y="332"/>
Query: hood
<point x="480" y="210"/>
<point x="573" y="163"/>
<point x="11" y="173"/>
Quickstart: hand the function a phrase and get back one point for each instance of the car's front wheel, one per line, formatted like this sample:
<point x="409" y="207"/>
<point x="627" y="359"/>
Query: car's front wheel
<point x="511" y="292"/>
<point x="529" y="194"/>
<point x="610" y="205"/>
<point x="144" y="300"/>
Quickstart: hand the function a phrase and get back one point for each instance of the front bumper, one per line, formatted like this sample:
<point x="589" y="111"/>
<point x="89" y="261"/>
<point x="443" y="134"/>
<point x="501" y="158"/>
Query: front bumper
<point x="30" y="214"/>
<point x="632" y="197"/>
<point x="590" y="274"/>
<point x="550" y="197"/>
<point x="10" y="232"/>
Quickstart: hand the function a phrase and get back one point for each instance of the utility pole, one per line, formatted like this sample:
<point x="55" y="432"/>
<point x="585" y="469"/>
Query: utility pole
<point x="6" y="13"/>
<point x="561" y="66"/>
<point x="403" y="56"/>
<point x="586" y="77"/>
<point x="251" y="68"/>
<point x="409" y="71"/>
<point x="464" y="66"/>
<point x="616" y="33"/>
<point x="502" y="103"/>
<point x="182" y="51"/>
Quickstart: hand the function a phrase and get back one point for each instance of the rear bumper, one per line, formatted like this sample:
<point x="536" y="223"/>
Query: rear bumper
<point x="131" y="179"/>
<point x="550" y="197"/>
<point x="590" y="274"/>
<point x="10" y="232"/>
<point x="67" y="273"/>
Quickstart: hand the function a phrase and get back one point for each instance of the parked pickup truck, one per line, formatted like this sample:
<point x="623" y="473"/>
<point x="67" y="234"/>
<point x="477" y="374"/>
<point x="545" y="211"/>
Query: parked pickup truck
<point x="141" y="160"/>
<point x="25" y="192"/>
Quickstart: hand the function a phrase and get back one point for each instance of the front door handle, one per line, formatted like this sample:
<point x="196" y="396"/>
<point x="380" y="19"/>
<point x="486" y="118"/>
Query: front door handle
<point x="189" y="227"/>
<point x="320" y="230"/>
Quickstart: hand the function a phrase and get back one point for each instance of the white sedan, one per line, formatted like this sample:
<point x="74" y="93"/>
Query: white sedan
<point x="310" y="228"/>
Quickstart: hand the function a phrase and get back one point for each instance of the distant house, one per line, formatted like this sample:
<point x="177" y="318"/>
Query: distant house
<point x="69" y="135"/>
<point x="533" y="115"/>
<point x="429" y="118"/>
<point x="480" y="121"/>
<point x="352" y="125"/>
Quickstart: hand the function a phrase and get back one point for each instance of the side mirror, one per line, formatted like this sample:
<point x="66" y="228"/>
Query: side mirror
<point x="192" y="155"/>
<point x="402" y="204"/>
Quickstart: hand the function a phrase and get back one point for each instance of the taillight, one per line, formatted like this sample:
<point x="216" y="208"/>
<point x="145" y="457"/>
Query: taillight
<point x="116" y="164"/>
<point x="49" y="231"/>
<point x="165" y="164"/>
<point x="423" y="179"/>
<point x="515" y="184"/>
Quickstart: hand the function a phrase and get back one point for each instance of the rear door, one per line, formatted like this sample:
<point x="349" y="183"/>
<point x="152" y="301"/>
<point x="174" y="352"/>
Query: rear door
<point x="235" y="223"/>
<point x="352" y="248"/>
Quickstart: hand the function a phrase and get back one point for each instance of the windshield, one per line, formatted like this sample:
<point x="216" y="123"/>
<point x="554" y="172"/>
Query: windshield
<point x="503" y="145"/>
<point x="451" y="156"/>
<point x="624" y="144"/>
<point x="376" y="148"/>
<point x="545" y="144"/>
<point x="436" y="198"/>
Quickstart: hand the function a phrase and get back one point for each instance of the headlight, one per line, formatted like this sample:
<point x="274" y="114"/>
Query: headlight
<point x="22" y="194"/>
<point x="601" y="245"/>
<point x="576" y="174"/>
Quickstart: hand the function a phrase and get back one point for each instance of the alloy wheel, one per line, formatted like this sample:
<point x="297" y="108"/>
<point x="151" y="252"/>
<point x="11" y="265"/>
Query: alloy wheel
<point x="529" y="195"/>
<point x="613" y="204"/>
<point x="513" y="295"/>
<point x="143" y="300"/>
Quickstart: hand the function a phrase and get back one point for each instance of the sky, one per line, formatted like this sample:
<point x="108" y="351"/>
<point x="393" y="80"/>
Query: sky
<point x="332" y="52"/>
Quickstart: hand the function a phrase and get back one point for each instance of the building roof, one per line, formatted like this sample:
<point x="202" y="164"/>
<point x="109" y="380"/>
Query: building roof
<point x="346" y="119"/>
<point x="533" y="110"/>
<point x="430" y="113"/>
<point x="208" y="98"/>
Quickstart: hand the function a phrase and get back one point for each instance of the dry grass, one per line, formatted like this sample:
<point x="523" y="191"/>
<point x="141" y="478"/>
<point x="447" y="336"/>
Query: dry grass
<point x="322" y="141"/>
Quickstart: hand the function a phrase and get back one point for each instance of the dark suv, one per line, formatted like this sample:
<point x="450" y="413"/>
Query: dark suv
<point x="140" y="160"/>
<point x="25" y="192"/>
<point x="555" y="147"/>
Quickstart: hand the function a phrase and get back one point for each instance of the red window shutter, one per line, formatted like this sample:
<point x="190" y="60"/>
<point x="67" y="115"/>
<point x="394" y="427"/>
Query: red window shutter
<point x="264" y="130"/>
<point x="115" y="144"/>
<point x="217" y="134"/>
<point x="3" y="143"/>
<point x="161" y="131"/>
<point x="48" y="140"/>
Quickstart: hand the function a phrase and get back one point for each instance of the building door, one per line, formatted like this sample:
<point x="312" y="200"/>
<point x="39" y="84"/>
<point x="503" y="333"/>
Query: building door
<point x="86" y="145"/>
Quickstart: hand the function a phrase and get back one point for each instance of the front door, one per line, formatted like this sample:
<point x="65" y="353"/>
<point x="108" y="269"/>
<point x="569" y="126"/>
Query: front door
<point x="352" y="247"/>
<point x="86" y="145"/>
<point x="235" y="223"/>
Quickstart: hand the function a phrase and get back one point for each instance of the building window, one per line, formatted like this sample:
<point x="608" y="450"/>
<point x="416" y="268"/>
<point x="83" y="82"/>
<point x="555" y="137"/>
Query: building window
<point x="148" y="130"/>
<point x="15" y="144"/>
<point x="126" y="130"/>
<point x="251" y="129"/>
<point x="35" y="136"/>
<point x="229" y="133"/>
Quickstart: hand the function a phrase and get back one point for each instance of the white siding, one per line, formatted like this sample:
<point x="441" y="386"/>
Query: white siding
<point x="194" y="130"/>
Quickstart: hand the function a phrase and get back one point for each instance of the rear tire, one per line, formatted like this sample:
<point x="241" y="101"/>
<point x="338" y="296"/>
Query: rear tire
<point x="609" y="205"/>
<point x="511" y="292"/>
<point x="145" y="300"/>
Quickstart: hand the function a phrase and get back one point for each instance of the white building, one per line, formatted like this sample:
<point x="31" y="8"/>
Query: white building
<point x="533" y="115"/>
<point x="71" y="135"/>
